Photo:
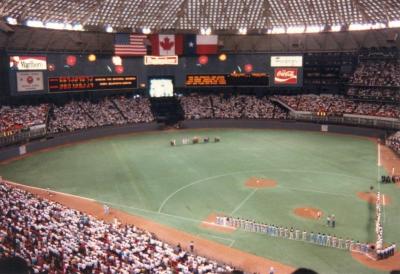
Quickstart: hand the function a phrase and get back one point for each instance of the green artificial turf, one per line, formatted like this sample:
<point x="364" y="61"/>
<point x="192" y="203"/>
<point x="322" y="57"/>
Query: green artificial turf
<point x="180" y="186"/>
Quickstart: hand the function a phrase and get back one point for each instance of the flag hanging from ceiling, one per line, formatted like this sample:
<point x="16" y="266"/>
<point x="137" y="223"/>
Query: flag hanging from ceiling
<point x="200" y="44"/>
<point x="130" y="44"/>
<point x="190" y="44"/>
<point x="207" y="44"/>
<point x="166" y="44"/>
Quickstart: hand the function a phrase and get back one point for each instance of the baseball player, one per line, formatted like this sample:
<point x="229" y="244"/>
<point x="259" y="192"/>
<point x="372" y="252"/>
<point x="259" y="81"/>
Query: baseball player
<point x="304" y="236"/>
<point x="320" y="239"/>
<point x="276" y="231"/>
<point x="328" y="220"/>
<point x="324" y="237"/>
<point x="242" y="223"/>
<point x="340" y="243"/>
<point x="297" y="234"/>
<point x="312" y="237"/>
<point x="334" y="241"/>
<point x="347" y="244"/>
<point x="352" y="245"/>
<point x="328" y="240"/>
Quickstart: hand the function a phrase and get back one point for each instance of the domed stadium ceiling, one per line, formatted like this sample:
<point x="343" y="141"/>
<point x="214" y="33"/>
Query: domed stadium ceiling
<point x="192" y="15"/>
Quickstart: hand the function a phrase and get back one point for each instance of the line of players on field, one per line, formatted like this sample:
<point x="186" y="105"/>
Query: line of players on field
<point x="298" y="235"/>
<point x="390" y="179"/>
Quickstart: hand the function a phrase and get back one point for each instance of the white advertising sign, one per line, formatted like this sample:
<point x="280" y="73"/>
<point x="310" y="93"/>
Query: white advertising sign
<point x="286" y="61"/>
<point x="161" y="60"/>
<point x="29" y="81"/>
<point x="28" y="62"/>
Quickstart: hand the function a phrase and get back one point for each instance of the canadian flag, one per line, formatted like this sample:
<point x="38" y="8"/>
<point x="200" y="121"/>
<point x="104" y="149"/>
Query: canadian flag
<point x="166" y="44"/>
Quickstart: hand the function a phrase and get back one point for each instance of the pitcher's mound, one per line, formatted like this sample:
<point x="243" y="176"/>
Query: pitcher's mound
<point x="371" y="197"/>
<point x="210" y="223"/>
<point x="308" y="212"/>
<point x="389" y="264"/>
<point x="254" y="182"/>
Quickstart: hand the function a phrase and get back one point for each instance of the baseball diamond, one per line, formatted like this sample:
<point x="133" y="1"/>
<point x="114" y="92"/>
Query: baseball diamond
<point x="199" y="136"/>
<point x="181" y="186"/>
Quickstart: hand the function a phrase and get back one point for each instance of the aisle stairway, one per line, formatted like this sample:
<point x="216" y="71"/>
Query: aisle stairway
<point x="167" y="110"/>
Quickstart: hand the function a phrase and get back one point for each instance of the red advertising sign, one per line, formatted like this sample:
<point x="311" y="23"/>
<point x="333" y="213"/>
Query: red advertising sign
<point x="28" y="62"/>
<point x="285" y="76"/>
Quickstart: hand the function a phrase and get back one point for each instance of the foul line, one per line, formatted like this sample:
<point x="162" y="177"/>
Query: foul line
<point x="316" y="191"/>
<point x="244" y="201"/>
<point x="221" y="238"/>
<point x="49" y="190"/>
<point x="160" y="213"/>
<point x="231" y="241"/>
<point x="118" y="205"/>
<point x="250" y="171"/>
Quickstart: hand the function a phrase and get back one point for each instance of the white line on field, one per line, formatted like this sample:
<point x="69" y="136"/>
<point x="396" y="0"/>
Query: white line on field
<point x="231" y="241"/>
<point x="49" y="190"/>
<point x="383" y="208"/>
<point x="161" y="213"/>
<point x="316" y="191"/>
<point x="252" y="171"/>
<point x="243" y="202"/>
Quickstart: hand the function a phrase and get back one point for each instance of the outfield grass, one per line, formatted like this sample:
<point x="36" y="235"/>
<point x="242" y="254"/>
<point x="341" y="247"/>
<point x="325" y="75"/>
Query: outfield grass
<point x="180" y="186"/>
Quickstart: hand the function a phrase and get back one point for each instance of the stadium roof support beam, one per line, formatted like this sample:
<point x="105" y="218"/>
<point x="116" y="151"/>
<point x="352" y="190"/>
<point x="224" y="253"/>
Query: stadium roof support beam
<point x="361" y="9"/>
<point x="267" y="14"/>
<point x="92" y="11"/>
<point x="182" y="13"/>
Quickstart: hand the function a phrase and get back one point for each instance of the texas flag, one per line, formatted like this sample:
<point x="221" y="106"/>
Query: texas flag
<point x="166" y="44"/>
<point x="206" y="44"/>
<point x="200" y="44"/>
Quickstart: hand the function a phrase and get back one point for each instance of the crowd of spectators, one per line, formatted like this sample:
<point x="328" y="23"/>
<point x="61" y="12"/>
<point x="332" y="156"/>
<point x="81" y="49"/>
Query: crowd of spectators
<point x="103" y="112"/>
<point x="196" y="107"/>
<point x="77" y="115"/>
<point x="69" y="117"/>
<point x="22" y="117"/>
<point x="394" y="142"/>
<point x="135" y="110"/>
<point x="374" y="94"/>
<point x="52" y="238"/>
<point x="377" y="73"/>
<point x="336" y="105"/>
<point x="231" y="107"/>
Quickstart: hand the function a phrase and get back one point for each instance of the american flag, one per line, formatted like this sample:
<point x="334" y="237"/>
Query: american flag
<point x="129" y="44"/>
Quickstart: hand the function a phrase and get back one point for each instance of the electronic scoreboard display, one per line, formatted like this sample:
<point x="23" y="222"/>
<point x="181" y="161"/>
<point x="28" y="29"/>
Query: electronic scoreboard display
<point x="86" y="83"/>
<point x="225" y="80"/>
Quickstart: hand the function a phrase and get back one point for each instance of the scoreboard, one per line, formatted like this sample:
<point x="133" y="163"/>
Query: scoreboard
<point x="226" y="80"/>
<point x="85" y="83"/>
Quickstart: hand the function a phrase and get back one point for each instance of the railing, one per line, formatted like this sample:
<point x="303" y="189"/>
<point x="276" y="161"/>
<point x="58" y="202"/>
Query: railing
<point x="353" y="120"/>
<point x="39" y="131"/>
<point x="23" y="136"/>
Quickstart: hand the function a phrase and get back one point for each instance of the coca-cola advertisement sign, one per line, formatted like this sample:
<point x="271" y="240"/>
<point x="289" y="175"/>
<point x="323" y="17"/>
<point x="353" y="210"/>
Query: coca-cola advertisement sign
<point x="286" y="76"/>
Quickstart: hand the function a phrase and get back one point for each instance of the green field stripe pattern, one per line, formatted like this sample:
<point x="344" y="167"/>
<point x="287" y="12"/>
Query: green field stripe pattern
<point x="180" y="186"/>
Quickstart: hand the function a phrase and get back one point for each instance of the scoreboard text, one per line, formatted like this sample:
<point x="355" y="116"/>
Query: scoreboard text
<point x="222" y="80"/>
<point x="83" y="83"/>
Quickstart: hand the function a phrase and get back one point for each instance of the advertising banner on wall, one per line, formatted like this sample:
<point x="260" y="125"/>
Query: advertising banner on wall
<point x="287" y="61"/>
<point x="286" y="76"/>
<point x="161" y="60"/>
<point x="29" y="81"/>
<point x="28" y="62"/>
